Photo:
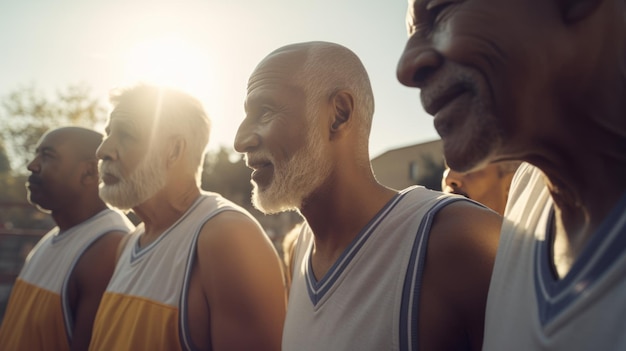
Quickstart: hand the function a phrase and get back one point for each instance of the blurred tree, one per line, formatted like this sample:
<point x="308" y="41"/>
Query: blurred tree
<point x="15" y="211"/>
<point x="26" y="114"/>
<point x="5" y="164"/>
<point x="230" y="178"/>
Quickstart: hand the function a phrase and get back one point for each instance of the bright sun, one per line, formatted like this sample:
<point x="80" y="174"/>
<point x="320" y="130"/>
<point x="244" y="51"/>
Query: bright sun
<point x="169" y="61"/>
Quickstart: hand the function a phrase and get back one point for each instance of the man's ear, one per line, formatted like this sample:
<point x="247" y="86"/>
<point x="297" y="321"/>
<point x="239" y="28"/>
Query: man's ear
<point x="343" y="108"/>
<point x="175" y="149"/>
<point x="573" y="11"/>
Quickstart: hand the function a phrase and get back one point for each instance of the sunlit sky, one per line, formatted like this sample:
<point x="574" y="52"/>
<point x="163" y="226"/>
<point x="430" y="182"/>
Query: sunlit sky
<point x="214" y="43"/>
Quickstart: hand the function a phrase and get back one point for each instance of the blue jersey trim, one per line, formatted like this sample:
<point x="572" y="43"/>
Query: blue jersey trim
<point x="409" y="307"/>
<point x="316" y="289"/>
<point x="68" y="317"/>
<point x="604" y="248"/>
<point x="183" y="320"/>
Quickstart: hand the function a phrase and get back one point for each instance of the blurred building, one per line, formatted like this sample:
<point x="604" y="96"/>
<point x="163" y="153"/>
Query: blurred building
<point x="414" y="164"/>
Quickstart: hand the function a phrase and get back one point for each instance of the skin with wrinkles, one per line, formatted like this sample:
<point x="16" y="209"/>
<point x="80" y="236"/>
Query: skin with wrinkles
<point x="305" y="107"/>
<point x="150" y="159"/>
<point x="543" y="82"/>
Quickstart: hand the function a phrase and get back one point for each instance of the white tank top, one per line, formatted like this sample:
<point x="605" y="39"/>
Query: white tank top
<point x="48" y="268"/>
<point x="369" y="298"/>
<point x="527" y="307"/>
<point x="149" y="286"/>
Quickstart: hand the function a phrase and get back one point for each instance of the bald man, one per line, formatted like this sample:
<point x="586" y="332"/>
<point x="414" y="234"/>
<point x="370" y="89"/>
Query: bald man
<point x="374" y="268"/>
<point x="57" y="293"/>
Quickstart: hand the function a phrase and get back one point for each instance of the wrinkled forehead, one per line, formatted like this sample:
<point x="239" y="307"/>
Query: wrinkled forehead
<point x="135" y="116"/>
<point x="61" y="142"/>
<point x="54" y="139"/>
<point x="126" y="121"/>
<point x="275" y="81"/>
<point x="278" y="68"/>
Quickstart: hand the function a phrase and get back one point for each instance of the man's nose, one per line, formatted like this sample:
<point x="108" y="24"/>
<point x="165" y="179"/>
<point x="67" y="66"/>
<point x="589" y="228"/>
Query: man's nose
<point x="417" y="63"/>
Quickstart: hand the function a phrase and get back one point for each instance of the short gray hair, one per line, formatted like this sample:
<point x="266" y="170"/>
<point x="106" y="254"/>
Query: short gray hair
<point x="331" y="67"/>
<point x="175" y="113"/>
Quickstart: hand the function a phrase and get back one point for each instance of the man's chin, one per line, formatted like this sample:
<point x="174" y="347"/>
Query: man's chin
<point x="38" y="204"/>
<point x="116" y="198"/>
<point x="41" y="208"/>
<point x="269" y="206"/>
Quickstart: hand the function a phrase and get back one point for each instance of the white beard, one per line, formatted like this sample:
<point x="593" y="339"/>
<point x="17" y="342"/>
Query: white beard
<point x="143" y="183"/>
<point x="296" y="179"/>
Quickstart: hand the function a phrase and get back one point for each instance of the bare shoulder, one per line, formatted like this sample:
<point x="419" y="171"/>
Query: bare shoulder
<point x="463" y="243"/>
<point x="235" y="230"/>
<point x="89" y="281"/>
<point x="96" y="264"/>
<point x="242" y="280"/>
<point x="461" y="251"/>
<point x="465" y="227"/>
<point x="103" y="250"/>
<point x="231" y="243"/>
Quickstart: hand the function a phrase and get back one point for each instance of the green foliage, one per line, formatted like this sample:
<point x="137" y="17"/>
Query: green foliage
<point x="26" y="114"/>
<point x="227" y="177"/>
<point x="5" y="164"/>
<point x="15" y="211"/>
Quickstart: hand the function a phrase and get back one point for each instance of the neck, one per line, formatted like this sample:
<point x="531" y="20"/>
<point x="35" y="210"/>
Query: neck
<point x="337" y="219"/>
<point x="585" y="180"/>
<point x="70" y="217"/>
<point x="165" y="208"/>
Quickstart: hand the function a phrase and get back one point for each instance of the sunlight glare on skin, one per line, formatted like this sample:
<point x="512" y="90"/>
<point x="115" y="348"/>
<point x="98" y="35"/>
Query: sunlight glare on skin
<point x="171" y="61"/>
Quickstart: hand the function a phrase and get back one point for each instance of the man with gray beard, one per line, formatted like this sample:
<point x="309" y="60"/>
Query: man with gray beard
<point x="373" y="268"/>
<point x="199" y="273"/>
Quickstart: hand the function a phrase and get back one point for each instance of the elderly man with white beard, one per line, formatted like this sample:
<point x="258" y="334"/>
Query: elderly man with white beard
<point x="199" y="273"/>
<point x="374" y="268"/>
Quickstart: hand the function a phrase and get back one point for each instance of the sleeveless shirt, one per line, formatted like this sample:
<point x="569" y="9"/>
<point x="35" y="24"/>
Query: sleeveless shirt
<point x="144" y="306"/>
<point x="528" y="307"/>
<point x="369" y="299"/>
<point x="38" y="315"/>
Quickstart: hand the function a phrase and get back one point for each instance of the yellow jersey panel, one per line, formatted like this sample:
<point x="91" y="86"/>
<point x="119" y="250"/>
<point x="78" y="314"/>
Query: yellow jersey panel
<point x="135" y="323"/>
<point x="36" y="320"/>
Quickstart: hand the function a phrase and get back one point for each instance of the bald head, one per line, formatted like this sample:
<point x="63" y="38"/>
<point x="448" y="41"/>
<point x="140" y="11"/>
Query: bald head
<point x="64" y="172"/>
<point x="323" y="68"/>
<point x="83" y="141"/>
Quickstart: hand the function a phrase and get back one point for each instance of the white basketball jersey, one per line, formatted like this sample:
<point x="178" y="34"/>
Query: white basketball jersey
<point x="528" y="308"/>
<point x="369" y="299"/>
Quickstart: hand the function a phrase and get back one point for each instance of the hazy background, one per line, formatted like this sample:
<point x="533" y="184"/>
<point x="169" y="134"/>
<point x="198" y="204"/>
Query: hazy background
<point x="206" y="47"/>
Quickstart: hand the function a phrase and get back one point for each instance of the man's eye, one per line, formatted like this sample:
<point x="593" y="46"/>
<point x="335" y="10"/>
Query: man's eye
<point x="435" y="8"/>
<point x="265" y="115"/>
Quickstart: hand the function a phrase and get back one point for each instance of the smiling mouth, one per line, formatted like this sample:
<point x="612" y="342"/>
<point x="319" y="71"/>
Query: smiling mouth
<point x="260" y="167"/>
<point x="435" y="102"/>
<point x="261" y="172"/>
<point x="254" y="166"/>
